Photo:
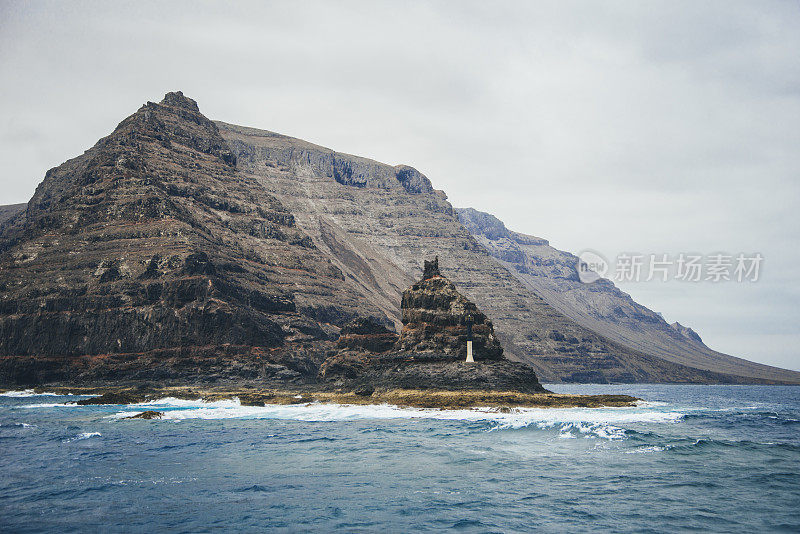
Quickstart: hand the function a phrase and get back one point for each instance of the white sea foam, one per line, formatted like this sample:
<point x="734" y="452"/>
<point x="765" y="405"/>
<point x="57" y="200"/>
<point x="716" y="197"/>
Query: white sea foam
<point x="645" y="450"/>
<point x="82" y="435"/>
<point x="650" y="404"/>
<point x="53" y="405"/>
<point x="172" y="402"/>
<point x="571" y="422"/>
<point x="29" y="393"/>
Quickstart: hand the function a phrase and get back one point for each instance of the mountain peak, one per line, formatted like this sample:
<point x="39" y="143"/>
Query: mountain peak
<point x="176" y="99"/>
<point x="686" y="332"/>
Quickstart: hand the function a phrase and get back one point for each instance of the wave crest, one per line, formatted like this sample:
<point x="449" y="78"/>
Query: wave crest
<point x="571" y="422"/>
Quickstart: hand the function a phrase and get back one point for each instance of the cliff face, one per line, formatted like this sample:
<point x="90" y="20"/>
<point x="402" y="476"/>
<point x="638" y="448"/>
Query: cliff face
<point x="601" y="306"/>
<point x="152" y="248"/>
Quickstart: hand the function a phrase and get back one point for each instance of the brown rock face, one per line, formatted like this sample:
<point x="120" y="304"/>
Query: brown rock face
<point x="375" y="228"/>
<point x="435" y="320"/>
<point x="365" y="334"/>
<point x="151" y="256"/>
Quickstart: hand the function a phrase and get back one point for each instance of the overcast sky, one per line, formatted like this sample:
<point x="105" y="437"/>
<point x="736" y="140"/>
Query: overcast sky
<point x="617" y="126"/>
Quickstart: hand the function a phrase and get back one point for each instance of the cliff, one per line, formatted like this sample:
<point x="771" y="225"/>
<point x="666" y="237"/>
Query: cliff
<point x="377" y="232"/>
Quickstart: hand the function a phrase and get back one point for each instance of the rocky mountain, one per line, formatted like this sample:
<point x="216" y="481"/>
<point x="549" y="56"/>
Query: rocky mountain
<point x="601" y="306"/>
<point x="181" y="247"/>
<point x="150" y="255"/>
<point x="377" y="229"/>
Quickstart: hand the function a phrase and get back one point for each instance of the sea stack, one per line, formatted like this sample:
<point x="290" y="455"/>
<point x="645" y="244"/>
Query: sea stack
<point x="431" y="350"/>
<point x="436" y="321"/>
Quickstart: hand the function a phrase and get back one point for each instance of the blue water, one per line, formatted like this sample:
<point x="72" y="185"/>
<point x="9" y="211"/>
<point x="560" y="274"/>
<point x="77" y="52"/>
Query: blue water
<point x="714" y="458"/>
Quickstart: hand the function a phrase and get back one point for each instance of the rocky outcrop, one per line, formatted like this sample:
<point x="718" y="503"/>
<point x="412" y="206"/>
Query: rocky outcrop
<point x="436" y="319"/>
<point x="147" y="414"/>
<point x="686" y="332"/>
<point x="431" y="350"/>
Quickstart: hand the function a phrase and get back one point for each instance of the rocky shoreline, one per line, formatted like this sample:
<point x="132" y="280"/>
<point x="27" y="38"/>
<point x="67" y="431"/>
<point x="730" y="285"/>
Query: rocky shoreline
<point x="416" y="398"/>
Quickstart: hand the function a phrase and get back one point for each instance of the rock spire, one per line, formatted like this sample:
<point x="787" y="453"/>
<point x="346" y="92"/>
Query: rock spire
<point x="435" y="317"/>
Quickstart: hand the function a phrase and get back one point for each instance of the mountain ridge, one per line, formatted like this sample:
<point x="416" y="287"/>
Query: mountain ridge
<point x="150" y="255"/>
<point x="601" y="306"/>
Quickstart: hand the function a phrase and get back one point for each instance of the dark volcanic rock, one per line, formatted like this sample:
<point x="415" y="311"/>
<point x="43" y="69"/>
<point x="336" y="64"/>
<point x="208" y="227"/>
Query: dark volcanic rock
<point x="487" y="375"/>
<point x="431" y="349"/>
<point x="366" y="334"/>
<point x="435" y="317"/>
<point x="430" y="269"/>
<point x="148" y="414"/>
<point x="115" y="397"/>
<point x="152" y="248"/>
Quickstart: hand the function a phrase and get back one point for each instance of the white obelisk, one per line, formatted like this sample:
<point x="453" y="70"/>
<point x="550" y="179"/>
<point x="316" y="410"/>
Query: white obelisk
<point x="468" y="320"/>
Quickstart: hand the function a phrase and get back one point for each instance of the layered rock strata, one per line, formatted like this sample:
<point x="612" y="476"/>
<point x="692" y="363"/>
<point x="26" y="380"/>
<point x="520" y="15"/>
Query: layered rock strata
<point x="182" y="249"/>
<point x="436" y="317"/>
<point x="377" y="230"/>
<point x="150" y="256"/>
<point x="601" y="306"/>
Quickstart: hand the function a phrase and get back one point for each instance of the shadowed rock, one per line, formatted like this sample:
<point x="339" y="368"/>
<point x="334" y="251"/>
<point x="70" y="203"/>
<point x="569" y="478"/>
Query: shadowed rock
<point x="366" y="334"/>
<point x="149" y="414"/>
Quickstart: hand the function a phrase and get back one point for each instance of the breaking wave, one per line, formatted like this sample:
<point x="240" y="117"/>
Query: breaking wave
<point x="31" y="393"/>
<point x="82" y="436"/>
<point x="570" y="422"/>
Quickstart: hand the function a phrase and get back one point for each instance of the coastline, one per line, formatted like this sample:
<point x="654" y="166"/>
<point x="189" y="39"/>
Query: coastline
<point x="416" y="398"/>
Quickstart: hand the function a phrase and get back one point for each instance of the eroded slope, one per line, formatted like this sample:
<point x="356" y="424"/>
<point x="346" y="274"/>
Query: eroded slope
<point x="379" y="222"/>
<point x="601" y="306"/>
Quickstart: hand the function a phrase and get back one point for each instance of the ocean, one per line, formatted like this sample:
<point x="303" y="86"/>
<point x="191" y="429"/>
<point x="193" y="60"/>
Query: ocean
<point x="689" y="458"/>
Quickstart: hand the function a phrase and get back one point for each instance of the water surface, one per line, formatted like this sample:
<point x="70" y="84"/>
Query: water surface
<point x="717" y="458"/>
